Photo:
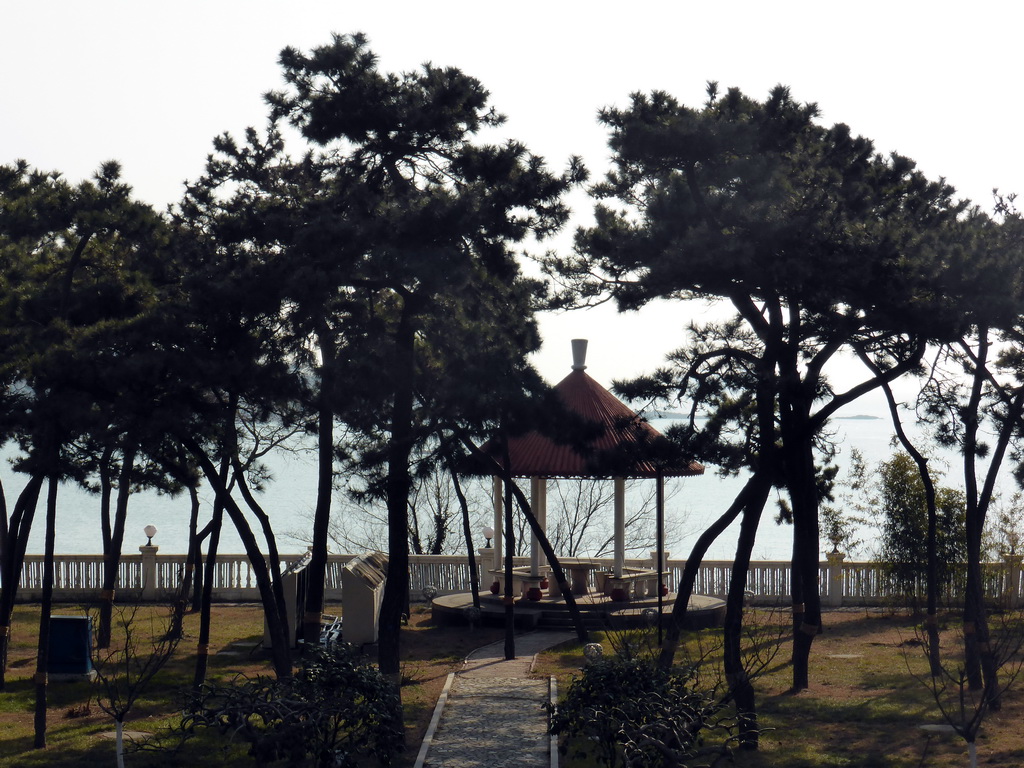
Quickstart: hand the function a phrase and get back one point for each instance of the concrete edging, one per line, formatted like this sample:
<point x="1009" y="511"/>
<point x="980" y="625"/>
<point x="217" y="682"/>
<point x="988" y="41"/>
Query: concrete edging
<point x="428" y="737"/>
<point x="442" y="701"/>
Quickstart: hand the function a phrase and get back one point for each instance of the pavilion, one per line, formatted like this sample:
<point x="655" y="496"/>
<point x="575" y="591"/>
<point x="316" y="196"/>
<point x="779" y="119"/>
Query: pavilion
<point x="622" y="449"/>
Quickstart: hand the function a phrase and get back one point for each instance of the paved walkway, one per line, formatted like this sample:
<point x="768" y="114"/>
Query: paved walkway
<point x="492" y="712"/>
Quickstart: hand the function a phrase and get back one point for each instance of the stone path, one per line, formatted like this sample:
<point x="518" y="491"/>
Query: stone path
<point x="492" y="712"/>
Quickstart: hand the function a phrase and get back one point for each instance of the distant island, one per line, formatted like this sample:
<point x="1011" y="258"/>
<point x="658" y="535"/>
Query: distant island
<point x="858" y="417"/>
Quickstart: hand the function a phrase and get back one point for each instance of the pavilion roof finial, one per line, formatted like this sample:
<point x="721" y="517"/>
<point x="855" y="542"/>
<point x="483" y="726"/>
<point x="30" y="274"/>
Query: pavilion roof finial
<point x="579" y="354"/>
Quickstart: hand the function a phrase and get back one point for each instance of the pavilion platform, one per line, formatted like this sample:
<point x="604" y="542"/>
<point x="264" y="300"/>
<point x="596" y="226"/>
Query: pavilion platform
<point x="599" y="612"/>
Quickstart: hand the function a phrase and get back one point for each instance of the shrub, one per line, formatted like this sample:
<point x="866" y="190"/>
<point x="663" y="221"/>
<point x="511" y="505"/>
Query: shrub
<point x="636" y="714"/>
<point x="335" y="711"/>
<point x="904" y="539"/>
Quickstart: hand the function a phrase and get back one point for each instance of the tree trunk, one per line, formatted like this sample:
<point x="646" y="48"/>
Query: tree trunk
<point x="474" y="571"/>
<point x="981" y="666"/>
<point x="106" y="493"/>
<point x="736" y="675"/>
<point x="398" y="485"/>
<point x="185" y="587"/>
<point x="43" y="649"/>
<point x="973" y="612"/>
<point x="276" y="621"/>
<point x="273" y="556"/>
<point x="12" y="558"/>
<point x="809" y="618"/>
<point x="119" y="742"/>
<point x="750" y="500"/>
<point x="206" y="600"/>
<point x="801" y="482"/>
<point x="316" y="571"/>
<point x="931" y="624"/>
<point x="510" y="540"/>
<point x="557" y="572"/>
<point x="112" y="557"/>
<point x="757" y="486"/>
<point x="200" y="570"/>
<point x="106" y="531"/>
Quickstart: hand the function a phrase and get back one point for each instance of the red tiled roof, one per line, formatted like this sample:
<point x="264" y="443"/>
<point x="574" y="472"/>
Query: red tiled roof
<point x="618" y="451"/>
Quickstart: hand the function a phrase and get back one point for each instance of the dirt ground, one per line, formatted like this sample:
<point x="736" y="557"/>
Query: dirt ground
<point x="866" y="702"/>
<point x="431" y="651"/>
<point x="871" y="693"/>
<point x="864" y="707"/>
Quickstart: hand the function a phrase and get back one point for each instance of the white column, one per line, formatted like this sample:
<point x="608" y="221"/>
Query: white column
<point x="497" y="495"/>
<point x="620" y="525"/>
<point x="538" y="504"/>
<point x="835" y="579"/>
<point x="1013" y="566"/>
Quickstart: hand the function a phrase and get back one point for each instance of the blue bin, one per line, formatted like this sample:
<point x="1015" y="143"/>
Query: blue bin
<point x="70" y="645"/>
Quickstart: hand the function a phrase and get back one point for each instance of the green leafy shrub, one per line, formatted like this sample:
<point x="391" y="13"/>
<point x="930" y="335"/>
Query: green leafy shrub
<point x="632" y="713"/>
<point x="904" y="540"/>
<point x="335" y="712"/>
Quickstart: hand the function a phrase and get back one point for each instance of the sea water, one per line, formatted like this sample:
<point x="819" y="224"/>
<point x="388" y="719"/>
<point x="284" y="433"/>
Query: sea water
<point x="290" y="497"/>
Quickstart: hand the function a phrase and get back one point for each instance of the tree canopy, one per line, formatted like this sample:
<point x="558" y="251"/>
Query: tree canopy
<point x="351" y="271"/>
<point x="389" y="238"/>
<point x="816" y="242"/>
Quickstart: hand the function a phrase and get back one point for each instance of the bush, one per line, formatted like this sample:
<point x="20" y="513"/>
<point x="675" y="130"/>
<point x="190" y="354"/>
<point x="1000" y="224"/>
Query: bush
<point x="904" y="539"/>
<point x="335" y="712"/>
<point x="635" y="714"/>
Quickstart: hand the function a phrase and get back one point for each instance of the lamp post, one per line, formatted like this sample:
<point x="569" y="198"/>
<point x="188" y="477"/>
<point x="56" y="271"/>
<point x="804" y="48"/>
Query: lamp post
<point x="488" y="533"/>
<point x="148" y="550"/>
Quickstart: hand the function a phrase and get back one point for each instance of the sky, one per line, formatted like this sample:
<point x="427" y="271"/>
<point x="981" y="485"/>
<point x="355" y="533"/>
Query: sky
<point x="151" y="84"/>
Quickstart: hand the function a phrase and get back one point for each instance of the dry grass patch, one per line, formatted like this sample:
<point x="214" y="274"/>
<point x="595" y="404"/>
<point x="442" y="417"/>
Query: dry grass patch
<point x="75" y="725"/>
<point x="863" y="709"/>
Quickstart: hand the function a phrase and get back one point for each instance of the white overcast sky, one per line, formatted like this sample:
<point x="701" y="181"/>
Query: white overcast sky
<point x="151" y="84"/>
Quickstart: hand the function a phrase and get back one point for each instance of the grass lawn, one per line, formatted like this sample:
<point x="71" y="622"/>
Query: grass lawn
<point x="863" y="709"/>
<point x="76" y="726"/>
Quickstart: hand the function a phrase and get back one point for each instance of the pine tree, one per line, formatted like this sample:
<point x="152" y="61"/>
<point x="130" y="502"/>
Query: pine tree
<point x="392" y="223"/>
<point x="813" y="240"/>
<point x="76" y="270"/>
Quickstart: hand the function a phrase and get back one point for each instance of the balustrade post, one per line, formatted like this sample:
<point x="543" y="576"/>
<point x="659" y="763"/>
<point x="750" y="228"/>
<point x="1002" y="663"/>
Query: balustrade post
<point x="664" y="567"/>
<point x="149" y="571"/>
<point x="484" y="565"/>
<point x="1013" y="567"/>
<point x="835" y="579"/>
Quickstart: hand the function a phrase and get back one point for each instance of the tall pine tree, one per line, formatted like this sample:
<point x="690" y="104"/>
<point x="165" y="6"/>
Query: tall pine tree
<point x="392" y="213"/>
<point x="815" y="243"/>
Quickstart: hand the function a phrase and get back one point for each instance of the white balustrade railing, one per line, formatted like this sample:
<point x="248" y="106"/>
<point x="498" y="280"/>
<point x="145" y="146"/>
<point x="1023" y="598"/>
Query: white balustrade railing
<point x="153" y="576"/>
